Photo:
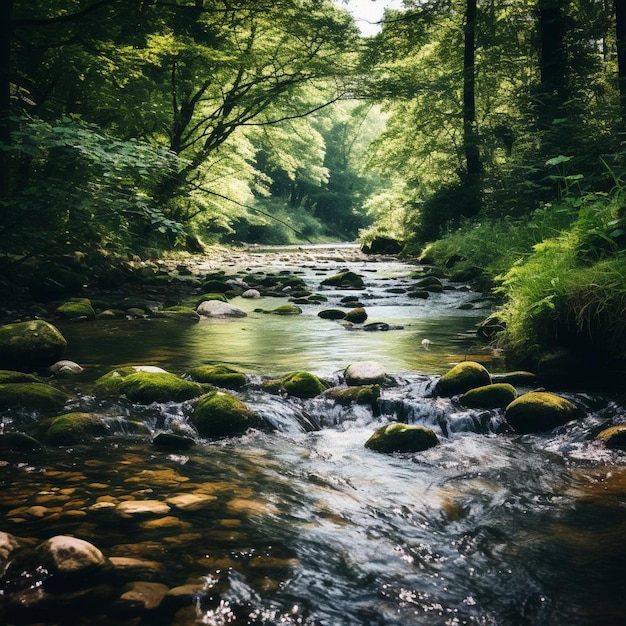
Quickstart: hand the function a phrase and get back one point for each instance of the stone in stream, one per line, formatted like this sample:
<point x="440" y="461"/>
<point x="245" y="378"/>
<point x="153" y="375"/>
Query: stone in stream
<point x="303" y="384"/>
<point x="356" y="316"/>
<point x="30" y="345"/>
<point x="220" y="414"/>
<point x="540" y="411"/>
<point x="32" y="396"/>
<point x="398" y="437"/>
<point x="495" y="396"/>
<point x="218" y="375"/>
<point x="366" y="373"/>
<point x="65" y="367"/>
<point x="614" y="436"/>
<point x="72" y="428"/>
<point x="345" y="280"/>
<point x="461" y="378"/>
<point x="76" y="309"/>
<point x="217" y="309"/>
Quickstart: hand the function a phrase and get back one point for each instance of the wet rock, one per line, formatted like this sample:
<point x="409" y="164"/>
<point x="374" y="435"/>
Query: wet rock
<point x="539" y="411"/>
<point x="140" y="597"/>
<point x="65" y="367"/>
<point x="362" y="394"/>
<point x="54" y="282"/>
<point x="76" y="309"/>
<point x="383" y="245"/>
<point x="19" y="442"/>
<point x="216" y="286"/>
<point x="461" y="378"/>
<point x="9" y="545"/>
<point x="30" y="344"/>
<point x="614" y="437"/>
<point x="431" y="283"/>
<point x="251" y="294"/>
<point x="285" y="309"/>
<point x="218" y="375"/>
<point x="172" y="441"/>
<point x="179" y="313"/>
<point x="32" y="396"/>
<point x="491" y="326"/>
<point x="515" y="378"/>
<point x="421" y="294"/>
<point x="191" y="501"/>
<point x="356" y="316"/>
<point x="211" y="297"/>
<point x="9" y="376"/>
<point x="303" y="384"/>
<point x="142" y="508"/>
<point x="345" y="280"/>
<point x="220" y="414"/>
<point x="133" y="568"/>
<point x="72" y="428"/>
<point x="402" y="438"/>
<point x="332" y="314"/>
<point x="215" y="308"/>
<point x="494" y="396"/>
<point x="366" y="373"/>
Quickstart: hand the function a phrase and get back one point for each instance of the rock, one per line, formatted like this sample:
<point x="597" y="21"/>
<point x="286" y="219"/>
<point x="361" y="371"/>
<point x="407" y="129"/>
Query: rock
<point x="73" y="428"/>
<point x="140" y="597"/>
<point x="30" y="344"/>
<point x="179" y="313"/>
<point x="362" y="394"/>
<point x="461" y="378"/>
<point x="147" y="387"/>
<point x="614" y="437"/>
<point x="356" y="316"/>
<point x="215" y="308"/>
<point x="345" y="280"/>
<point x="9" y="376"/>
<point x="539" y="411"/>
<point x="215" y="286"/>
<point x="9" y="545"/>
<point x="218" y="375"/>
<point x="422" y="294"/>
<point x="142" y="508"/>
<point x="332" y="314"/>
<point x="431" y="283"/>
<point x="19" y="442"/>
<point x="130" y="567"/>
<point x="366" y="373"/>
<point x="211" y="297"/>
<point x="76" y="309"/>
<point x="252" y="294"/>
<point x="491" y="326"/>
<point x="383" y="245"/>
<point x="65" y="367"/>
<point x="191" y="501"/>
<point x="303" y="384"/>
<point x="220" y="414"/>
<point x="494" y="396"/>
<point x="32" y="396"/>
<point x="285" y="309"/>
<point x="172" y="441"/>
<point x="402" y="438"/>
<point x="515" y="378"/>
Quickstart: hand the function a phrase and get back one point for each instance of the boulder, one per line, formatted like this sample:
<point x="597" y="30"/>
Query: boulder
<point x="402" y="438"/>
<point x="461" y="378"/>
<point x="76" y="309"/>
<point x="215" y="308"/>
<point x="9" y="545"/>
<point x="366" y="373"/>
<point x="139" y="597"/>
<point x="65" y="367"/>
<point x="72" y="428"/>
<point x="614" y="436"/>
<point x="539" y="411"/>
<point x="16" y="441"/>
<point x="179" y="313"/>
<point x="303" y="384"/>
<point x="332" y="314"/>
<point x="172" y="441"/>
<point x="210" y="297"/>
<point x="495" y="396"/>
<point x="32" y="397"/>
<point x="356" y="316"/>
<point x="345" y="280"/>
<point x="285" y="309"/>
<point x="220" y="414"/>
<point x="30" y="344"/>
<point x="9" y="376"/>
<point x="218" y="375"/>
<point x="383" y="245"/>
<point x="252" y="294"/>
<point x="362" y="394"/>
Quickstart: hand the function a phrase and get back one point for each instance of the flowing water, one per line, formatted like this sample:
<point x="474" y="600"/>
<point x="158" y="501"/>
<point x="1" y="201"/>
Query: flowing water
<point x="303" y="524"/>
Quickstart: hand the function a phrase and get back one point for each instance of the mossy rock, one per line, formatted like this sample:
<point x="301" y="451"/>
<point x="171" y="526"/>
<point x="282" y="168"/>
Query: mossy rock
<point x="331" y="314"/>
<point x="219" y="375"/>
<point x="32" y="396"/>
<point x="73" y="428"/>
<point x="347" y="280"/>
<point x="273" y="386"/>
<point x="179" y="313"/>
<point x="215" y="286"/>
<point x="362" y="394"/>
<point x="495" y="396"/>
<point x="220" y="414"/>
<point x="148" y="387"/>
<point x="76" y="309"/>
<point x="461" y="378"/>
<point x="220" y="297"/>
<point x="356" y="316"/>
<point x="30" y="344"/>
<point x="614" y="437"/>
<point x="286" y="309"/>
<point x="303" y="384"/>
<point x="430" y="283"/>
<point x="539" y="411"/>
<point x="402" y="438"/>
<point x="9" y="376"/>
<point x="19" y="442"/>
<point x="420" y="294"/>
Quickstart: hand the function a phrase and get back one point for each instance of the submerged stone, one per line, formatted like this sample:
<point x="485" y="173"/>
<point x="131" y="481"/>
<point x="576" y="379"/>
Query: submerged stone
<point x="220" y="414"/>
<point x="539" y="411"/>
<point x="461" y="378"/>
<point x="30" y="344"/>
<point x="402" y="438"/>
<point x="495" y="396"/>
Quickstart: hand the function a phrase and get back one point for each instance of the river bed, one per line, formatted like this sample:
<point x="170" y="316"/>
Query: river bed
<point x="303" y="524"/>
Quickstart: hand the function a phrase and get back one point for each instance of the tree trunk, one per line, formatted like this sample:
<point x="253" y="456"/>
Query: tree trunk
<point x="473" y="164"/>
<point x="6" y="14"/>
<point x="620" y="32"/>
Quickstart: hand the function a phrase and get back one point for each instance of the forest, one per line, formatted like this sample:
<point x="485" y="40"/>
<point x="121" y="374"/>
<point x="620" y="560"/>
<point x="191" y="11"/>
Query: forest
<point x="484" y="135"/>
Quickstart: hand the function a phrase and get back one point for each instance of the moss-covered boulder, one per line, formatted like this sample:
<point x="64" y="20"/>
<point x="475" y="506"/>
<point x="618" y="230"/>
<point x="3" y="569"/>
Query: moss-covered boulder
<point x="345" y="280"/>
<point x="17" y="441"/>
<point x="303" y="384"/>
<point x="76" y="309"/>
<point x="356" y="316"/>
<point x="218" y="375"/>
<point x="30" y="344"/>
<point x="179" y="313"/>
<point x="332" y="314"/>
<point x="215" y="285"/>
<point x="461" y="378"/>
<point x="32" y="397"/>
<point x="286" y="309"/>
<point x="495" y="396"/>
<point x="402" y="438"/>
<point x="72" y="428"/>
<point x="10" y="376"/>
<point x="539" y="411"/>
<point x="147" y="387"/>
<point x="614" y="437"/>
<point x="363" y="394"/>
<point x="208" y="297"/>
<point x="220" y="414"/>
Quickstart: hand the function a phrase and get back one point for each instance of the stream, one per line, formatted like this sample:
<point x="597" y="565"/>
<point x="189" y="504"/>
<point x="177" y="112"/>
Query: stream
<point x="303" y="524"/>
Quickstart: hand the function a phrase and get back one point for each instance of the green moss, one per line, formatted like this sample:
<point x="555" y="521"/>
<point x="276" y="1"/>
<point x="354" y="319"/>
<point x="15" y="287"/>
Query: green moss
<point x="303" y="384"/>
<point x="182" y="313"/>
<point x="461" y="378"/>
<point x="273" y="386"/>
<point x="18" y="442"/>
<point x="32" y="396"/>
<point x="614" y="436"/>
<point x="76" y="309"/>
<point x="30" y="344"/>
<point x="356" y="316"/>
<point x="402" y="438"/>
<point x="220" y="297"/>
<point x="539" y="411"/>
<point x="220" y="414"/>
<point x="9" y="376"/>
<point x="286" y="309"/>
<point x="496" y="396"/>
<point x="348" y="280"/>
<point x="219" y="375"/>
<point x="362" y="394"/>
<point x="73" y="428"/>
